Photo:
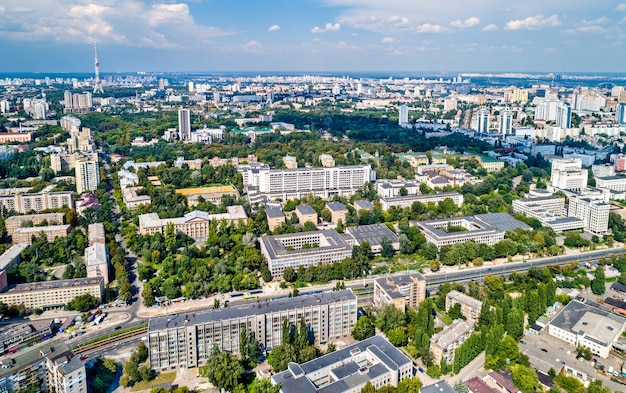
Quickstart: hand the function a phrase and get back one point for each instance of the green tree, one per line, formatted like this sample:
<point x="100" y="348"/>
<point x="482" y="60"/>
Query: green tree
<point x="223" y="370"/>
<point x="363" y="328"/>
<point x="386" y="250"/>
<point x="244" y="344"/>
<point x="398" y="337"/>
<point x="289" y="274"/>
<point x="83" y="303"/>
<point x="525" y="378"/>
<point x="598" y="285"/>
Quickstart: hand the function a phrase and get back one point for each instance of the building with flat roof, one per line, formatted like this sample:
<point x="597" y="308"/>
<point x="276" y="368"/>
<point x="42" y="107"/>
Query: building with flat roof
<point x="567" y="174"/>
<point x="406" y="290"/>
<point x="583" y="324"/>
<point x="50" y="367"/>
<point x="24" y="333"/>
<point x="97" y="261"/>
<point x="438" y="387"/>
<point x="337" y="212"/>
<point x="550" y="211"/>
<point x="194" y="224"/>
<point x="348" y="369"/>
<point x="25" y="235"/>
<point x="52" y="294"/>
<point x="290" y="162"/>
<point x="615" y="183"/>
<point x="454" y="230"/>
<point x="306" y="214"/>
<point x="212" y="194"/>
<point x="592" y="209"/>
<point x="303" y="249"/>
<point x="15" y="222"/>
<point x="490" y="164"/>
<point x="12" y="256"/>
<point x="389" y="188"/>
<point x="96" y="234"/>
<point x="444" y="343"/>
<point x="132" y="199"/>
<point x="470" y="307"/>
<point x="324" y="182"/>
<point x="36" y="202"/>
<point x="275" y="216"/>
<point x="374" y="235"/>
<point x="362" y="204"/>
<point x="326" y="160"/>
<point x="186" y="339"/>
<point x="409" y="200"/>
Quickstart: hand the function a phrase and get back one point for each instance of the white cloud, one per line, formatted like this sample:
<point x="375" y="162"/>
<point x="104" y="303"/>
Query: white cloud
<point x="125" y="22"/>
<point x="490" y="27"/>
<point x="430" y="28"/>
<point x="621" y="8"/>
<point x="463" y="24"/>
<point x="387" y="40"/>
<point x="590" y="26"/>
<point x="533" y="23"/>
<point x="273" y="28"/>
<point x="328" y="27"/>
<point x="252" y="47"/>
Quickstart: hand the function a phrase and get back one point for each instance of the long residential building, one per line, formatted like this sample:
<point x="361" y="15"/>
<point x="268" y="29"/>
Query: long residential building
<point x="444" y="343"/>
<point x="303" y="249"/>
<point x="15" y="222"/>
<point x="25" y="203"/>
<point x="186" y="340"/>
<point x="592" y="209"/>
<point x="25" y="235"/>
<point x="50" y="367"/>
<point x="406" y="290"/>
<point x="52" y="294"/>
<point x="470" y="307"/>
<point x="194" y="224"/>
<point x="348" y="369"/>
<point x="324" y="182"/>
<point x="409" y="200"/>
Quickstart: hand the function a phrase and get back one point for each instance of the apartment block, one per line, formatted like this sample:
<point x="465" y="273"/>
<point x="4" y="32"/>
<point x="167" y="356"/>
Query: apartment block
<point x="406" y="290"/>
<point x="15" y="222"/>
<point x="303" y="249"/>
<point x="194" y="224"/>
<point x="409" y="200"/>
<point x="444" y="343"/>
<point x="185" y="340"/>
<point x="305" y="213"/>
<point x="593" y="210"/>
<point x="87" y="174"/>
<point x="470" y="307"/>
<point x="25" y="235"/>
<point x="97" y="261"/>
<point x="338" y="212"/>
<point x="52" y="294"/>
<point x="348" y="369"/>
<point x="132" y="200"/>
<point x="389" y="188"/>
<point x="26" y="203"/>
<point x="96" y="233"/>
<point x="324" y="182"/>
<point x="49" y="367"/>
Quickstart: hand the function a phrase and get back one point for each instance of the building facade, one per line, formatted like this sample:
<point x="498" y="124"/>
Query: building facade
<point x="15" y="222"/>
<point x="25" y="235"/>
<point x="444" y="343"/>
<point x="592" y="210"/>
<point x="52" y="294"/>
<point x="406" y="290"/>
<point x="470" y="307"/>
<point x="26" y="203"/>
<point x="87" y="174"/>
<point x="186" y="340"/>
<point x="409" y="200"/>
<point x="567" y="174"/>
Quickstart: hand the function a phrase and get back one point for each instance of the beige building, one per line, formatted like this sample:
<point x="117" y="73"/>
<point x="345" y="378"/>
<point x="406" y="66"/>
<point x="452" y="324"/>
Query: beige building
<point x="327" y="160"/>
<point x="194" y="224"/>
<point x="337" y="211"/>
<point x="490" y="164"/>
<point x="96" y="234"/>
<point x="290" y="162"/>
<point x="132" y="200"/>
<point x="210" y="194"/>
<point x="186" y="340"/>
<point x="444" y="343"/>
<point x="470" y="307"/>
<point x="25" y="235"/>
<point x="406" y="290"/>
<point x="52" y="294"/>
<point x="97" y="261"/>
<point x="25" y="203"/>
<point x="306" y="214"/>
<point x="15" y="222"/>
<point x="87" y="174"/>
<point x="275" y="217"/>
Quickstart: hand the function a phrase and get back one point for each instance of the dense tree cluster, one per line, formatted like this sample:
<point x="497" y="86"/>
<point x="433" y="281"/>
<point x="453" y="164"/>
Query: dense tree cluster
<point x="296" y="346"/>
<point x="101" y="374"/>
<point x="136" y="369"/>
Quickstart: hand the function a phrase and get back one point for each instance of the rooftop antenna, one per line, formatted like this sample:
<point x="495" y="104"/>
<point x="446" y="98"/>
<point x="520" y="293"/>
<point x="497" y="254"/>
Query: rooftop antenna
<point x="97" y="84"/>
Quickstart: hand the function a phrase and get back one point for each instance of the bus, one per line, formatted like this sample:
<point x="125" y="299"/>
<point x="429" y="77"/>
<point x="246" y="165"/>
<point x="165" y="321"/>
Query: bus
<point x="251" y="297"/>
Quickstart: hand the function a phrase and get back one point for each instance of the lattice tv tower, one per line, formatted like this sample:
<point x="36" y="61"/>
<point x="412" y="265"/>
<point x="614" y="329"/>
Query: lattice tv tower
<point x="97" y="83"/>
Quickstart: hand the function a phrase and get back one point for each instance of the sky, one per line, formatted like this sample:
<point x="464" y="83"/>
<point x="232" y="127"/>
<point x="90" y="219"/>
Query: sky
<point x="313" y="35"/>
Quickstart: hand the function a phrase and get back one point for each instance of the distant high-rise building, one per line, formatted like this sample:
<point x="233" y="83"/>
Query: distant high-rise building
<point x="190" y="86"/>
<point x="403" y="114"/>
<point x="620" y="113"/>
<point x="483" y="121"/>
<point x="506" y="122"/>
<point x="184" y="124"/>
<point x="161" y="85"/>
<point x="87" y="174"/>
<point x="564" y="115"/>
<point x="216" y="97"/>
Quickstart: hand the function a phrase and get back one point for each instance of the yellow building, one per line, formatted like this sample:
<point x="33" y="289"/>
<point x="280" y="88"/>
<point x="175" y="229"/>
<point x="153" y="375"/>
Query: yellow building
<point x="211" y="194"/>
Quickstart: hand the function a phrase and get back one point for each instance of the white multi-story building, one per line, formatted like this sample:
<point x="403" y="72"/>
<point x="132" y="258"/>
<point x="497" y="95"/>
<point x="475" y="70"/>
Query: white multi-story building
<point x="403" y="114"/>
<point x="389" y="188"/>
<point x="505" y="122"/>
<point x="564" y="115"/>
<point x="185" y="340"/>
<point x="324" y="182"/>
<point x="482" y="125"/>
<point x="593" y="209"/>
<point x="567" y="174"/>
<point x="184" y="124"/>
<point x="620" y="113"/>
<point x="550" y="210"/>
<point x="87" y="175"/>
<point x="615" y="183"/>
<point x="409" y="200"/>
<point x="348" y="370"/>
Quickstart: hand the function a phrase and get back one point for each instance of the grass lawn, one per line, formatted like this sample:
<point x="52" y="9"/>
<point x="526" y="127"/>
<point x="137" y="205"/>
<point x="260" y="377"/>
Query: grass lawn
<point x="161" y="378"/>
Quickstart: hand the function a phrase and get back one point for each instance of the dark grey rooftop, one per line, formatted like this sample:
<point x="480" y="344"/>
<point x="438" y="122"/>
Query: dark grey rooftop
<point x="29" y="356"/>
<point x="607" y="178"/>
<point x="363" y="204"/>
<point x="327" y="241"/>
<point x="349" y="374"/>
<point x="273" y="211"/>
<point x="373" y="234"/>
<point x="305" y="209"/>
<point x="46" y="285"/>
<point x="336" y="206"/>
<point x="585" y="319"/>
<point x="258" y="308"/>
<point x="502" y="221"/>
<point x="391" y="285"/>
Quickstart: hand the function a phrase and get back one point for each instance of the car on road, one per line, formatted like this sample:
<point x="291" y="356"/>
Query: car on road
<point x="118" y="327"/>
<point x="544" y="350"/>
<point x="421" y="370"/>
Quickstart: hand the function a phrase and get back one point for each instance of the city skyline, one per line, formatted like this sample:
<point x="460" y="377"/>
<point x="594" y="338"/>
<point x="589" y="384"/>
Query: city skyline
<point x="312" y="35"/>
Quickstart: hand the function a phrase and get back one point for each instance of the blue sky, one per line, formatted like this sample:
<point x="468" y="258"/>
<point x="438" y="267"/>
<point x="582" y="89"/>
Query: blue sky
<point x="313" y="35"/>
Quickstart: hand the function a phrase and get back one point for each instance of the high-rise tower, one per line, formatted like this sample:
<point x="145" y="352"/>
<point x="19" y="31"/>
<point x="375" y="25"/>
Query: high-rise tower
<point x="97" y="83"/>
